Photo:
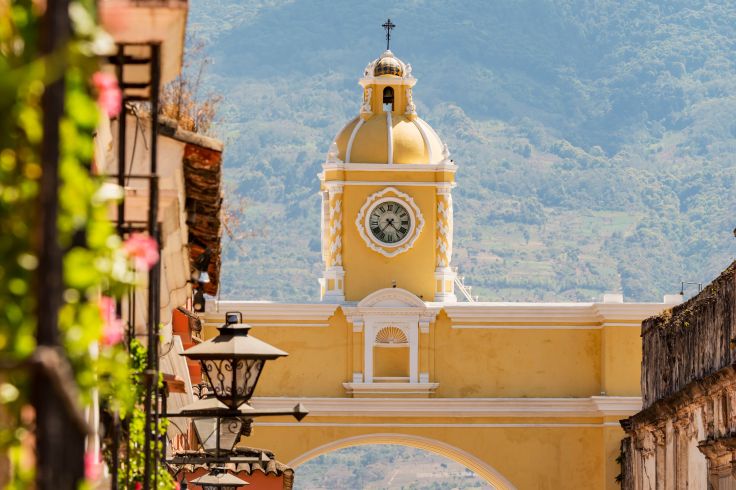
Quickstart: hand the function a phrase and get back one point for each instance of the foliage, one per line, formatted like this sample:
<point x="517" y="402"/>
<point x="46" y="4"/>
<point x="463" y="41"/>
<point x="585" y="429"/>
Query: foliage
<point x="131" y="468"/>
<point x="612" y="120"/>
<point x="95" y="265"/>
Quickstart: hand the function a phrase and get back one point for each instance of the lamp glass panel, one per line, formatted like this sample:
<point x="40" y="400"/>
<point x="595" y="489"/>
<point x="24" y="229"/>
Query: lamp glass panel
<point x="247" y="373"/>
<point x="219" y="373"/>
<point x="205" y="427"/>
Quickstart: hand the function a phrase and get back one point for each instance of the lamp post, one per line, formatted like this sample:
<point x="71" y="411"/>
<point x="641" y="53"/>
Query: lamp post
<point x="219" y="479"/>
<point x="233" y="361"/>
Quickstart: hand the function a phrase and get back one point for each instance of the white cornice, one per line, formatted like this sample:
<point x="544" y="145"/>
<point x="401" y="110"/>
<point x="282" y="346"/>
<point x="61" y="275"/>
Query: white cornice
<point x="397" y="183"/>
<point x="392" y="167"/>
<point x="595" y="406"/>
<point x="538" y="314"/>
<point x="253" y="311"/>
<point x="390" y="388"/>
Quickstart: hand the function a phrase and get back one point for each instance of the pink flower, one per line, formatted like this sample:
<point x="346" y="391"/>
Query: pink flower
<point x="91" y="466"/>
<point x="109" y="96"/>
<point x="143" y="250"/>
<point x="113" y="331"/>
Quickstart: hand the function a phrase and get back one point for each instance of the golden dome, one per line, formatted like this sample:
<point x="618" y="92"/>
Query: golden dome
<point x="367" y="141"/>
<point x="388" y="65"/>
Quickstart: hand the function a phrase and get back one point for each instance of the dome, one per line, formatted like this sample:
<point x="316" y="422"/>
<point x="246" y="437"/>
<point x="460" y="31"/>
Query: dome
<point x="388" y="66"/>
<point x="367" y="141"/>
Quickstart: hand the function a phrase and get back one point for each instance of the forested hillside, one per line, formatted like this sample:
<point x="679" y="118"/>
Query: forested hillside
<point x="595" y="140"/>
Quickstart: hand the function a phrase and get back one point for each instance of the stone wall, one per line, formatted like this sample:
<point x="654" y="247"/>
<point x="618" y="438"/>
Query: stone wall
<point x="685" y="437"/>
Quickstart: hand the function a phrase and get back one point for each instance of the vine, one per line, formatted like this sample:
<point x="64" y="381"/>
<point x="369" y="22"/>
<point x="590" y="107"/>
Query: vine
<point x="97" y="266"/>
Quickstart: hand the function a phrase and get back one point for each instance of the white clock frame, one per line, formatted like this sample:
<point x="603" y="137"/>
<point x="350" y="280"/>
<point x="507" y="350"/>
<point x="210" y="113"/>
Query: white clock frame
<point x="386" y="249"/>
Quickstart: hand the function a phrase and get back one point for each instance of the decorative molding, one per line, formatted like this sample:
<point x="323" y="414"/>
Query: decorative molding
<point x="418" y="123"/>
<point x="392" y="335"/>
<point x="449" y="185"/>
<point x="332" y="154"/>
<point x="390" y="388"/>
<point x="389" y="139"/>
<point x="352" y="138"/>
<point x="553" y="315"/>
<point x="267" y="310"/>
<point x="596" y="406"/>
<point x="392" y="298"/>
<point x="444" y="230"/>
<point x="411" y="110"/>
<point x="410" y="205"/>
<point x="393" y="167"/>
<point x="460" y="326"/>
<point x="365" y="109"/>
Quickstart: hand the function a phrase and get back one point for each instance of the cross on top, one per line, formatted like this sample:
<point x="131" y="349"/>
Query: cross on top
<point x="388" y="25"/>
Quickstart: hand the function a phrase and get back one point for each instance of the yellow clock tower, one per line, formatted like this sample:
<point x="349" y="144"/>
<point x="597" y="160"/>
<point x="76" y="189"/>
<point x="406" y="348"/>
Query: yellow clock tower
<point x="527" y="395"/>
<point x="386" y="189"/>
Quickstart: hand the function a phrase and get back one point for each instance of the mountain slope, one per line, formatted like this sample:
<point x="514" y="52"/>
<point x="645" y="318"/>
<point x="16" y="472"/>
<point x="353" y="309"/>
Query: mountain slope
<point x="595" y="140"/>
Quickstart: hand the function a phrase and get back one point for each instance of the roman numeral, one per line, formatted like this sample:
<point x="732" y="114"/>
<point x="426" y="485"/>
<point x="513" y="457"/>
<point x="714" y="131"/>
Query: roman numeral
<point x="405" y="222"/>
<point x="390" y="207"/>
<point x="376" y="230"/>
<point x="403" y="230"/>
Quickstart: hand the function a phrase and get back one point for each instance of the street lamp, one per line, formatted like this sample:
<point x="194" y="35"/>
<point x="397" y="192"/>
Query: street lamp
<point x="219" y="479"/>
<point x="206" y="428"/>
<point x="233" y="361"/>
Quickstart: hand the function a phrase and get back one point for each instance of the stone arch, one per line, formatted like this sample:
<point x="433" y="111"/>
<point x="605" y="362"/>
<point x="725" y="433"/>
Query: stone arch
<point x="479" y="467"/>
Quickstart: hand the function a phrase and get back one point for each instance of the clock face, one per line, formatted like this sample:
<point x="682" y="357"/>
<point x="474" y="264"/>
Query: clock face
<point x="389" y="222"/>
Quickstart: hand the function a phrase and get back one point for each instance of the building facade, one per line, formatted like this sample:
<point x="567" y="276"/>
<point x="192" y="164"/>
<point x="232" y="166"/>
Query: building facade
<point x="528" y="395"/>
<point x="684" y="436"/>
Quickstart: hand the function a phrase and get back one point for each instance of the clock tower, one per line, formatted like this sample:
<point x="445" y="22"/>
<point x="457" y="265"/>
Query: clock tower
<point x="386" y="196"/>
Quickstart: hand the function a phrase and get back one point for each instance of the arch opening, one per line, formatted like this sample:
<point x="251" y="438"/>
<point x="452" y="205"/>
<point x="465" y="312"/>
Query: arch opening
<point x="480" y="468"/>
<point x="388" y="99"/>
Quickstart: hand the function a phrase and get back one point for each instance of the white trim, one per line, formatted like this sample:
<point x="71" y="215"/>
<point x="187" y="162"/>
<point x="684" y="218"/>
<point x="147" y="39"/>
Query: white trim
<point x="370" y="388"/>
<point x="352" y="138"/>
<point x="423" y="132"/>
<point x="526" y="327"/>
<point x="383" y="249"/>
<point x="392" y="167"/>
<point x="390" y="139"/>
<point x="595" y="406"/>
<point x="408" y="183"/>
<point x="408" y="82"/>
<point x="626" y="314"/>
<point x="253" y="311"/>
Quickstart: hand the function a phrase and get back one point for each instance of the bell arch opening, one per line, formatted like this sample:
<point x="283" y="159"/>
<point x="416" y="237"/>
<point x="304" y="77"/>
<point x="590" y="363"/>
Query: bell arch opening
<point x="388" y="99"/>
<point x="483" y="470"/>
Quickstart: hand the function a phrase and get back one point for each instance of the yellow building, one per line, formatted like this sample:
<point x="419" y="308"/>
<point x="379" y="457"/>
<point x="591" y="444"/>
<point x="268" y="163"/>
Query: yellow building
<point x="527" y="395"/>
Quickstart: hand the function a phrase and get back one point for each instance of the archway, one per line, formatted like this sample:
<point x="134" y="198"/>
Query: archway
<point x="482" y="469"/>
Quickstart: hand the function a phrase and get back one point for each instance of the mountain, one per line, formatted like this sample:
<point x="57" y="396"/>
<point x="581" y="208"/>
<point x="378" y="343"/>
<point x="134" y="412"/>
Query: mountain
<point x="595" y="140"/>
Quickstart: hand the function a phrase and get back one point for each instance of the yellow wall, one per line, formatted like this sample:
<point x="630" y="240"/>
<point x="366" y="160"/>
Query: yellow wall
<point x="538" y="458"/>
<point x="531" y="451"/>
<point x="515" y="363"/>
<point x="318" y="361"/>
<point x="367" y="270"/>
<point x="391" y="361"/>
<point x="621" y="366"/>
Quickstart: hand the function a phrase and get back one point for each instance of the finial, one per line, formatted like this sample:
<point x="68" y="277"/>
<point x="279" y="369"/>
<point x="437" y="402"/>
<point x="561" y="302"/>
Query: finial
<point x="388" y="25"/>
